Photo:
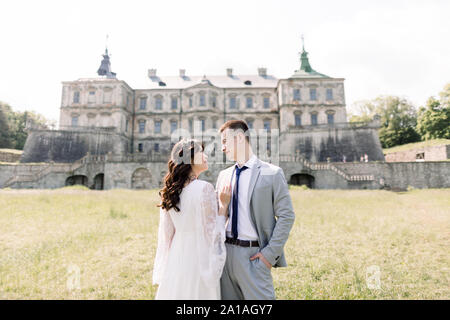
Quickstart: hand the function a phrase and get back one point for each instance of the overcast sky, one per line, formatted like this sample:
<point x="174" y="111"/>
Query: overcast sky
<point x="380" y="47"/>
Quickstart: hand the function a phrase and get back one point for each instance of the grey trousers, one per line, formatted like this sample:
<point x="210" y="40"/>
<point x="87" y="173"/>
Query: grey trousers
<point x="243" y="279"/>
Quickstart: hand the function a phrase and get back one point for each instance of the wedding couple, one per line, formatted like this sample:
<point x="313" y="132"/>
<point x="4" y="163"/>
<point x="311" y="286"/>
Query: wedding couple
<point x="221" y="244"/>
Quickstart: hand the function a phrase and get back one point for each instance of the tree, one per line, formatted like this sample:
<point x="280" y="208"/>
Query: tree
<point x="398" y="119"/>
<point x="434" y="120"/>
<point x="16" y="125"/>
<point x="5" y="130"/>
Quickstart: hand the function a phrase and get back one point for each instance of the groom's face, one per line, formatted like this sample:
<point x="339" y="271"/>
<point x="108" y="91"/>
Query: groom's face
<point x="232" y="142"/>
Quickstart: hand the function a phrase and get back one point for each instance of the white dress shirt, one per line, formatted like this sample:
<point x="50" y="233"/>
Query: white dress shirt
<point x="246" y="231"/>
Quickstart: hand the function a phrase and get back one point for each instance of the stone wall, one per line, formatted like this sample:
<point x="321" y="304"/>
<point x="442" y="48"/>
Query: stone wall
<point x="432" y="153"/>
<point x="149" y="175"/>
<point x="68" y="146"/>
<point x="6" y="156"/>
<point x="319" y="143"/>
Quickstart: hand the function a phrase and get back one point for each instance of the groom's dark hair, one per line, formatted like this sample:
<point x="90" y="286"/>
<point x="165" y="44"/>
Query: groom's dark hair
<point x="236" y="125"/>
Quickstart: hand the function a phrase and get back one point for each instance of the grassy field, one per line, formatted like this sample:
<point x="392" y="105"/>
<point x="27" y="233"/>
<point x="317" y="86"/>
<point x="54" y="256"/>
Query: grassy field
<point x="47" y="236"/>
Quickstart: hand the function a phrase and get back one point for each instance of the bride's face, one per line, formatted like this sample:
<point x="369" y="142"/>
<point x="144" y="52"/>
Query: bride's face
<point x="200" y="162"/>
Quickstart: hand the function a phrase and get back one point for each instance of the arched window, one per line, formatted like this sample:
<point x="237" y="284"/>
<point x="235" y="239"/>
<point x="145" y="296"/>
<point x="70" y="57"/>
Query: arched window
<point x="233" y="102"/>
<point x="266" y="124"/>
<point x="298" y="119"/>
<point x="174" y="103"/>
<point x="142" y="126"/>
<point x="314" y="118"/>
<point x="173" y="125"/>
<point x="296" y="94"/>
<point x="329" y="94"/>
<point x="214" y="100"/>
<point x="158" y="102"/>
<point x="249" y="102"/>
<point x="330" y="116"/>
<point x="142" y="103"/>
<point x="158" y="126"/>
<point x="76" y="97"/>
<point x="91" y="96"/>
<point x="266" y="102"/>
<point x="313" y="94"/>
<point x="202" y="100"/>
<point x="74" y="120"/>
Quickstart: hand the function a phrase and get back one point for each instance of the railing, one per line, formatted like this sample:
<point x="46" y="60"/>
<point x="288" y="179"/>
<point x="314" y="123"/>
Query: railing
<point x="88" y="128"/>
<point x="325" y="166"/>
<point x="336" y="125"/>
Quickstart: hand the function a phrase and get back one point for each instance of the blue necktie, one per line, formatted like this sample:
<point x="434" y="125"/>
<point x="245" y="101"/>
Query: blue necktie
<point x="234" y="220"/>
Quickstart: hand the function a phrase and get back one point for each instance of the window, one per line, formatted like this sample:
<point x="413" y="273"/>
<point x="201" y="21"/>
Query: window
<point x="140" y="147"/>
<point x="312" y="94"/>
<point x="314" y="119"/>
<point x="91" y="98"/>
<point x="74" y="121"/>
<point x="248" y="83"/>
<point x="266" y="102"/>
<point x="174" y="103"/>
<point x="214" y="124"/>
<point x="267" y="125"/>
<point x="76" y="97"/>
<point x="203" y="124"/>
<point x="156" y="147"/>
<point x="214" y="101"/>
<point x="250" y="123"/>
<point x="298" y="120"/>
<point x="202" y="100"/>
<point x="297" y="96"/>
<point x="158" y="103"/>
<point x="249" y="102"/>
<point x="141" y="126"/>
<point x="232" y="102"/>
<point x="126" y="125"/>
<point x="329" y="94"/>
<point x="107" y="95"/>
<point x="191" y="125"/>
<point x="330" y="118"/>
<point x="158" y="126"/>
<point x="143" y="103"/>
<point x="191" y="102"/>
<point x="173" y="126"/>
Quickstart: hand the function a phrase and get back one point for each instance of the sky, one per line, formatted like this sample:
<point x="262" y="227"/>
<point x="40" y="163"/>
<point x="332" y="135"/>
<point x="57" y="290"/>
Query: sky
<point x="380" y="47"/>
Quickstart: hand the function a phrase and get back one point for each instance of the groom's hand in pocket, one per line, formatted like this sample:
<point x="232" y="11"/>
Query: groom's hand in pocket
<point x="261" y="257"/>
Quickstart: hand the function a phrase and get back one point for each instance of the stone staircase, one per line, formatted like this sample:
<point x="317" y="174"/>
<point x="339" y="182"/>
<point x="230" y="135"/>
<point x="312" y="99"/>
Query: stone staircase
<point x="49" y="168"/>
<point x="326" y="166"/>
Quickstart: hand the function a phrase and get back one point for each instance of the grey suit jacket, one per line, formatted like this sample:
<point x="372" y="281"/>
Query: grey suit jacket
<point x="271" y="208"/>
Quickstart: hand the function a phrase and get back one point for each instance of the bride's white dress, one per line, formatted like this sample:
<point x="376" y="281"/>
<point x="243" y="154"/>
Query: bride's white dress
<point x="191" y="251"/>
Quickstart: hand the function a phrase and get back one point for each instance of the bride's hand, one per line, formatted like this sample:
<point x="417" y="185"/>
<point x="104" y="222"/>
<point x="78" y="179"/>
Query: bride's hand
<point x="225" y="197"/>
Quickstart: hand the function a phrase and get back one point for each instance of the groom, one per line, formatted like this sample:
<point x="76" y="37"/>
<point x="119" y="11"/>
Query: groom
<point x="260" y="218"/>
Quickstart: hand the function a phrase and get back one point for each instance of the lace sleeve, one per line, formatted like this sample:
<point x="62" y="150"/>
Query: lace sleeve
<point x="166" y="232"/>
<point x="212" y="247"/>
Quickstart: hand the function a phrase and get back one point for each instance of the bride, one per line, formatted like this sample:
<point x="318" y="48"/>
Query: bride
<point x="191" y="252"/>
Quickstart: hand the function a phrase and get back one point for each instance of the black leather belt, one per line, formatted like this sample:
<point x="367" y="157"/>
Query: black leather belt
<point x="242" y="243"/>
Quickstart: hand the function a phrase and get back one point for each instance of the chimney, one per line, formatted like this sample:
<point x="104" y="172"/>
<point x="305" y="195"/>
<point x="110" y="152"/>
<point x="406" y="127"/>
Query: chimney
<point x="262" y="72"/>
<point x="151" y="73"/>
<point x="182" y="73"/>
<point x="229" y="72"/>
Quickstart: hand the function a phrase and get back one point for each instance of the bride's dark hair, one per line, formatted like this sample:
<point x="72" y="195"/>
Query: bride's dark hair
<point x="179" y="164"/>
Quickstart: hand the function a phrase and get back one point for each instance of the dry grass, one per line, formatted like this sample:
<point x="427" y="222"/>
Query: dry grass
<point x="417" y="145"/>
<point x="111" y="237"/>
